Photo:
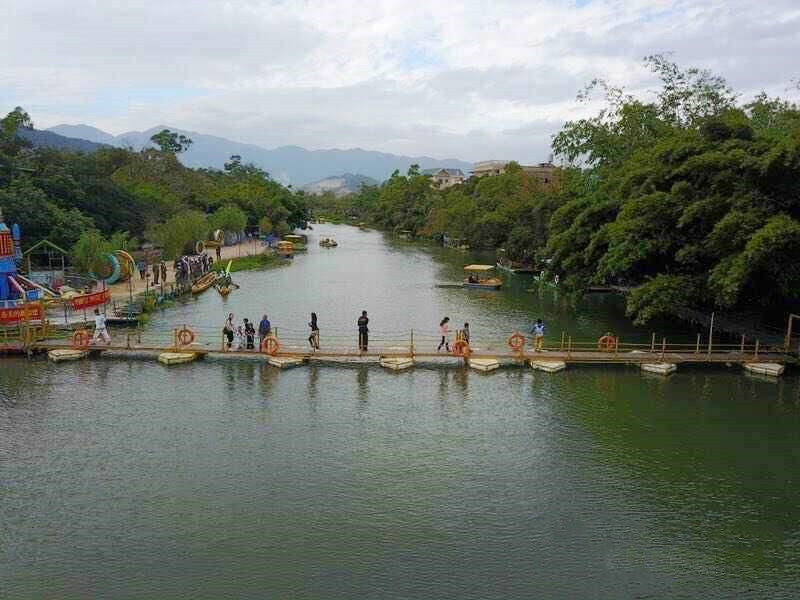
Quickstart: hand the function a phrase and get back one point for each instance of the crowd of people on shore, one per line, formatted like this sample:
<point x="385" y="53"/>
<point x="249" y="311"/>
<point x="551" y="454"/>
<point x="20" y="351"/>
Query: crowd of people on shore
<point x="189" y="268"/>
<point x="186" y="268"/>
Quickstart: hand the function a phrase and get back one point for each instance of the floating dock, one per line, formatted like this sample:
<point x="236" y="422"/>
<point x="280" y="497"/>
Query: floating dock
<point x="176" y="358"/>
<point x="660" y="368"/>
<point x="66" y="354"/>
<point x="771" y="369"/>
<point x="548" y="366"/>
<point x="397" y="354"/>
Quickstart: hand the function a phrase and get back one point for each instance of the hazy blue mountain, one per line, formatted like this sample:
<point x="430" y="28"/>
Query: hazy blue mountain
<point x="48" y="139"/>
<point x="341" y="185"/>
<point x="84" y="132"/>
<point x="288" y="164"/>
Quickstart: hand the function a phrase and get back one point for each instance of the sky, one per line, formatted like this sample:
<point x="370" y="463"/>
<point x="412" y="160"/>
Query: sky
<point x="463" y="79"/>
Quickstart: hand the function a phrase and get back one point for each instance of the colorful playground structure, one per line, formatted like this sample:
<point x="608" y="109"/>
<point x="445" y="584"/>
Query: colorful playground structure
<point x="23" y="300"/>
<point x="15" y="290"/>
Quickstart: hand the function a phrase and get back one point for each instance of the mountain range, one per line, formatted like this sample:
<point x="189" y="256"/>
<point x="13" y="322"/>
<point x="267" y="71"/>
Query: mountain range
<point x="288" y="164"/>
<point x="49" y="139"/>
<point x="340" y="185"/>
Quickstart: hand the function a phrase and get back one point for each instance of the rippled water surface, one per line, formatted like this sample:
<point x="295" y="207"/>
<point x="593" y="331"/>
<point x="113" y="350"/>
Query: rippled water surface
<point x="125" y="479"/>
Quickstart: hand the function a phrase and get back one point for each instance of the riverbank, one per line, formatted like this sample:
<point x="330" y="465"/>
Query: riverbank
<point x="257" y="261"/>
<point x="123" y="291"/>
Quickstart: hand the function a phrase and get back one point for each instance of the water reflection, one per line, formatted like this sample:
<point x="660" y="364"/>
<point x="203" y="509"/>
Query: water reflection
<point x="706" y="449"/>
<point x="362" y="388"/>
<point x="268" y="378"/>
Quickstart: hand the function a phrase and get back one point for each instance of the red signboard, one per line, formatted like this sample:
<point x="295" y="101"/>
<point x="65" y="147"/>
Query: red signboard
<point x="6" y="244"/>
<point x="90" y="300"/>
<point x="26" y="312"/>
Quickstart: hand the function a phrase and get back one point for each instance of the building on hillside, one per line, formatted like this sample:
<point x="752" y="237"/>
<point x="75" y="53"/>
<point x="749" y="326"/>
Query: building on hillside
<point x="544" y="172"/>
<point x="444" y="178"/>
<point x="489" y="167"/>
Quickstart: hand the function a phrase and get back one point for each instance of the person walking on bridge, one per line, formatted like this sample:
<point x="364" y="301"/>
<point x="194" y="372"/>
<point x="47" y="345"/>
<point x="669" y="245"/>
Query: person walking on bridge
<point x="363" y="331"/>
<point x="538" y="335"/>
<point x="444" y="330"/>
<point x="100" y="329"/>
<point x="313" y="339"/>
<point x="264" y="329"/>
<point x="228" y="330"/>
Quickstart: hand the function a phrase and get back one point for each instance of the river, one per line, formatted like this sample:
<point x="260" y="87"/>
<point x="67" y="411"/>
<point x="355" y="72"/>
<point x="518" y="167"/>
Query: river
<point x="231" y="479"/>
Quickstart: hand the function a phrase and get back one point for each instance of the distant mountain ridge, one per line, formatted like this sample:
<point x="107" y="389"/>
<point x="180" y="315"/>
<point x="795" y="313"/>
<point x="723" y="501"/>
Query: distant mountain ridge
<point x="49" y="139"/>
<point x="289" y="164"/>
<point x="341" y="185"/>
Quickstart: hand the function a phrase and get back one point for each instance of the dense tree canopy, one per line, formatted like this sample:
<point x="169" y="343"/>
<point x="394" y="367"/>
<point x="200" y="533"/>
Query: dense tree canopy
<point x="686" y="199"/>
<point x="60" y="195"/>
<point x="689" y="200"/>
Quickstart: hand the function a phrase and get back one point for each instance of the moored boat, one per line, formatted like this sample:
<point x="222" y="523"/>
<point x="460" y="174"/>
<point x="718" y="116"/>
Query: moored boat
<point x="285" y="249"/>
<point x="205" y="282"/>
<point x="298" y="241"/>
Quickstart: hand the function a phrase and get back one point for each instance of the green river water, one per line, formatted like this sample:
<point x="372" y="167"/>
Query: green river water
<point x="231" y="479"/>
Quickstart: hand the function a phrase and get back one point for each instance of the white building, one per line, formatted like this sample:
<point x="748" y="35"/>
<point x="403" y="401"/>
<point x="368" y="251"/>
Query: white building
<point x="444" y="178"/>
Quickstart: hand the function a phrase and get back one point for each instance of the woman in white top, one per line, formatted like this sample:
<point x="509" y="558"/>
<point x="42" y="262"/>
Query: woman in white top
<point x="444" y="330"/>
<point x="239" y="343"/>
<point x="228" y="330"/>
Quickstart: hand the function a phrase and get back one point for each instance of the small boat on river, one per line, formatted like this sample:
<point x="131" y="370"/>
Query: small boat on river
<point x="328" y="242"/>
<point x="224" y="284"/>
<point x="481" y="277"/>
<point x="205" y="282"/>
<point x="285" y="249"/>
<point x="298" y="241"/>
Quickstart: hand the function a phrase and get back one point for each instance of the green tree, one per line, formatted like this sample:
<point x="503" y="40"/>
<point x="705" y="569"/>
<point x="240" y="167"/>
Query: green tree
<point x="179" y="233"/>
<point x="13" y="121"/>
<point x="89" y="250"/>
<point x="228" y="218"/>
<point x="171" y="141"/>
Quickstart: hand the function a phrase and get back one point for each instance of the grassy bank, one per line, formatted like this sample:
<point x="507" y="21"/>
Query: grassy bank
<point x="258" y="261"/>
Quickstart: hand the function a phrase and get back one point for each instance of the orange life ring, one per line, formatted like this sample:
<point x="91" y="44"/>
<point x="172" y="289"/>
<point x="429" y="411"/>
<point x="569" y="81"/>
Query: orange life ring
<point x="185" y="337"/>
<point x="81" y="339"/>
<point x="607" y="343"/>
<point x="516" y="342"/>
<point x="461" y="348"/>
<point x="270" y="345"/>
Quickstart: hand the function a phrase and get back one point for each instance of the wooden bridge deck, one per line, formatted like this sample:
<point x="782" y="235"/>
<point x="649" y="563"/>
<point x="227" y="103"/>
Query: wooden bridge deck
<point x="583" y="356"/>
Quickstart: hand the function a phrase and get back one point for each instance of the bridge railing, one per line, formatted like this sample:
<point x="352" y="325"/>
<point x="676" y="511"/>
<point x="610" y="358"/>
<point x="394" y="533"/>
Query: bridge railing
<point x="295" y="341"/>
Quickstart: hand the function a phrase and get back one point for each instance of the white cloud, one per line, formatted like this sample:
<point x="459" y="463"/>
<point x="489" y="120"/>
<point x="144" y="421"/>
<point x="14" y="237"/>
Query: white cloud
<point x="471" y="79"/>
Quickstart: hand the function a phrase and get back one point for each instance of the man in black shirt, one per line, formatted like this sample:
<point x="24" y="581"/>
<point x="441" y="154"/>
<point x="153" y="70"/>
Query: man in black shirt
<point x="363" y="331"/>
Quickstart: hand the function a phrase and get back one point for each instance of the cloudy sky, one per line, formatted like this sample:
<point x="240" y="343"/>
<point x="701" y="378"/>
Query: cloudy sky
<point x="465" y="79"/>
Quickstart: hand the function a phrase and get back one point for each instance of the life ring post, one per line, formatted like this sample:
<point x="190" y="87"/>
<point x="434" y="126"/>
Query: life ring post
<point x="270" y="345"/>
<point x="516" y="341"/>
<point x="184" y="337"/>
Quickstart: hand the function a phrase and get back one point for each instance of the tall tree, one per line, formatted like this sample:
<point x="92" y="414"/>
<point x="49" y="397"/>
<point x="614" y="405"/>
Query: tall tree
<point x="171" y="141"/>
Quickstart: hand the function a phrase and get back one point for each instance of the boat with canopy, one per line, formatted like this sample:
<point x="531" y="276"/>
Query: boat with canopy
<point x="481" y="277"/>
